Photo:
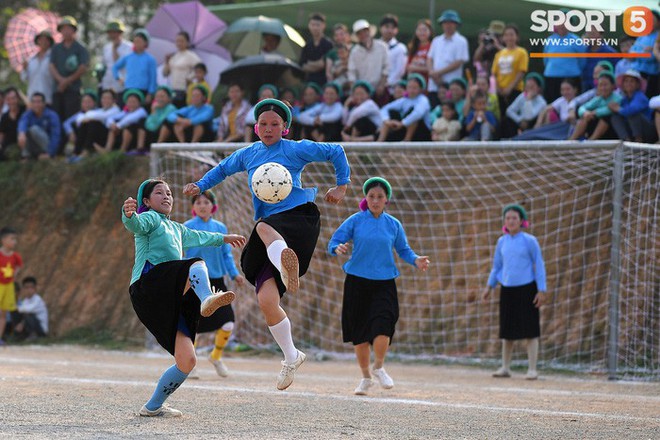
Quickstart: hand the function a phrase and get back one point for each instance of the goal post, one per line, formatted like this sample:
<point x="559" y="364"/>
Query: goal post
<point x="592" y="205"/>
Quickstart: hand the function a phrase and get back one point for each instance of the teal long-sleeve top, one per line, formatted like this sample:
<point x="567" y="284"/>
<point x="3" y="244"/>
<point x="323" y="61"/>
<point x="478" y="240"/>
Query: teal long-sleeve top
<point x="292" y="155"/>
<point x="599" y="105"/>
<point x="373" y="240"/>
<point x="219" y="262"/>
<point x="197" y="115"/>
<point x="518" y="261"/>
<point x="159" y="239"/>
<point x="158" y="116"/>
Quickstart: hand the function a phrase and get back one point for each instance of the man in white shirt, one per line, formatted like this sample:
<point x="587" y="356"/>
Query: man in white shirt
<point x="397" y="51"/>
<point x="447" y="54"/>
<point x="114" y="49"/>
<point x="369" y="60"/>
<point x="31" y="319"/>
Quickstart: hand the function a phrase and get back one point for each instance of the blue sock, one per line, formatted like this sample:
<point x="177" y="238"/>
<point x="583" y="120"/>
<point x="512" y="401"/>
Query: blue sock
<point x="171" y="379"/>
<point x="199" y="281"/>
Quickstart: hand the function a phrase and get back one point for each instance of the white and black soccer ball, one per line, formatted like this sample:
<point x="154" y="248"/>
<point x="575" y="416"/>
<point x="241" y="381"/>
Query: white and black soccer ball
<point x="271" y="182"/>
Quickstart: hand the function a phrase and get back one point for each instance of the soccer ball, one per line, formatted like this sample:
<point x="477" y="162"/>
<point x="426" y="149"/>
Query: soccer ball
<point x="271" y="182"/>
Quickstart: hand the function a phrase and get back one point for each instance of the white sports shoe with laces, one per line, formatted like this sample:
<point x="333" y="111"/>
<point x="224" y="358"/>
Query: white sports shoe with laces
<point x="363" y="387"/>
<point x="163" y="411"/>
<point x="215" y="300"/>
<point x="383" y="378"/>
<point x="285" y="378"/>
<point x="220" y="367"/>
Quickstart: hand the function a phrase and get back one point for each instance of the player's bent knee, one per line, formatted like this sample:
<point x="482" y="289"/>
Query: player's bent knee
<point x="186" y="362"/>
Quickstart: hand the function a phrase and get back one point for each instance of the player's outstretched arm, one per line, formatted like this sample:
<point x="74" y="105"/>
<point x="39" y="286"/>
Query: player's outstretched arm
<point x="335" y="194"/>
<point x="130" y="207"/>
<point x="422" y="263"/>
<point x="191" y="189"/>
<point x="235" y="240"/>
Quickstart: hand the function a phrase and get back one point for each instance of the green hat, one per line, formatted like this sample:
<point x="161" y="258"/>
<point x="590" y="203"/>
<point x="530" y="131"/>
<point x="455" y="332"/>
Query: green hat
<point x="67" y="20"/>
<point x="334" y="85"/>
<point x="536" y="77"/>
<point x="364" y="84"/>
<point x="142" y="33"/>
<point x="610" y="75"/>
<point x="166" y="89"/>
<point x="134" y="92"/>
<point x="314" y="86"/>
<point x="607" y="65"/>
<point x="115" y="26"/>
<point x="44" y="33"/>
<point x="92" y="94"/>
<point x="460" y="81"/>
<point x="275" y="105"/>
<point x="202" y="88"/>
<point x="385" y="183"/>
<point x="519" y="209"/>
<point x="141" y="191"/>
<point x="419" y="78"/>
<point x="276" y="93"/>
<point x="208" y="194"/>
<point x="402" y="82"/>
<point x="450" y="15"/>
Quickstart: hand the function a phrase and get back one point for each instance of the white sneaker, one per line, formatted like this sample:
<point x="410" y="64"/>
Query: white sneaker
<point x="220" y="367"/>
<point x="502" y="372"/>
<point x="216" y="300"/>
<point x="290" y="270"/>
<point x="193" y="374"/>
<point x="285" y="378"/>
<point x="163" y="411"/>
<point x="362" y="388"/>
<point x="383" y="378"/>
<point x="532" y="375"/>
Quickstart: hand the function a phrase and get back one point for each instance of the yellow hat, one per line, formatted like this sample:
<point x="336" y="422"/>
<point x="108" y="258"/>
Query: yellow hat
<point x="67" y="20"/>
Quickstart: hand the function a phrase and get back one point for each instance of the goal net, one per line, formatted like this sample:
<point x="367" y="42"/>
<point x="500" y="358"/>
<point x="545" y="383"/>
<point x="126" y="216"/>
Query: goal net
<point x="592" y="206"/>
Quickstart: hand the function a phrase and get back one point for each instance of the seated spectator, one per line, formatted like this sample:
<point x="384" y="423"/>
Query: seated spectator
<point x="9" y="121"/>
<point x="150" y="132"/>
<point x="509" y="68"/>
<point x="311" y="97"/>
<point x="456" y="93"/>
<point x="595" y="114"/>
<point x="418" y="49"/>
<point x="287" y="94"/>
<point x="30" y="320"/>
<point x="446" y="127"/>
<point x="199" y="78"/>
<point x="589" y="64"/>
<point x="524" y="110"/>
<point x="631" y="117"/>
<point x="361" y="115"/>
<point x="492" y="105"/>
<point x="337" y="67"/>
<point x="322" y="123"/>
<point x="266" y="91"/>
<point x="39" y="130"/>
<point x="123" y="126"/>
<point x="91" y="126"/>
<point x="193" y="123"/>
<point x="36" y="70"/>
<point x="70" y="125"/>
<point x="407" y="118"/>
<point x="232" y="117"/>
<point x="399" y="89"/>
<point x="480" y="123"/>
<point x="140" y="67"/>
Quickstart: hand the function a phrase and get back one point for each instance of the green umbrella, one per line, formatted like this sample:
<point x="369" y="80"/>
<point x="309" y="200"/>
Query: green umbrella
<point x="244" y="37"/>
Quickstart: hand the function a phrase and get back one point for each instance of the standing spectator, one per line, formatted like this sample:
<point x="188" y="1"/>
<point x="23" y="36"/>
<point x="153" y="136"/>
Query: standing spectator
<point x="11" y="263"/>
<point x="519" y="268"/>
<point x="490" y="42"/>
<point x="556" y="69"/>
<point x="631" y="117"/>
<point x="342" y="39"/>
<point x="69" y="60"/>
<point x="271" y="42"/>
<point x="361" y="116"/>
<point x="199" y="79"/>
<point x="31" y="318"/>
<point x="594" y="43"/>
<point x="397" y="51"/>
<point x="36" y="70"/>
<point x="369" y="60"/>
<point x="419" y="47"/>
<point x="509" y="67"/>
<point x="113" y="50"/>
<point x="337" y="68"/>
<point x="649" y="67"/>
<point x="39" y="130"/>
<point x="9" y="120"/>
<point x="624" y="64"/>
<point x="407" y="118"/>
<point x="140" y="67"/>
<point x="232" y="117"/>
<point x="447" y="54"/>
<point x="312" y="58"/>
<point x="193" y="123"/>
<point x="523" y="112"/>
<point x="179" y="68"/>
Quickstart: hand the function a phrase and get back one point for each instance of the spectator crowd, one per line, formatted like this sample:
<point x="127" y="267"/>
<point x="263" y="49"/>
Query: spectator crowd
<point x="358" y="88"/>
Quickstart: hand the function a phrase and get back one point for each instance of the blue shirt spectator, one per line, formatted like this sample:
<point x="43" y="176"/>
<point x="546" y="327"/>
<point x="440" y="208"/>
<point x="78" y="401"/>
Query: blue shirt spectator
<point x="140" y="71"/>
<point x="562" y="67"/>
<point x="648" y="66"/>
<point x="39" y="129"/>
<point x="197" y="115"/>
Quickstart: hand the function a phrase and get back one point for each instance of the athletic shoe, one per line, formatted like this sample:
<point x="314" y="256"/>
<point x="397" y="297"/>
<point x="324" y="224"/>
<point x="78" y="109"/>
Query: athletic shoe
<point x="501" y="373"/>
<point x="193" y="374"/>
<point x="216" y="300"/>
<point x="361" y="389"/>
<point x="285" y="378"/>
<point x="383" y="378"/>
<point x="163" y="411"/>
<point x="220" y="367"/>
<point x="532" y="375"/>
<point x="290" y="270"/>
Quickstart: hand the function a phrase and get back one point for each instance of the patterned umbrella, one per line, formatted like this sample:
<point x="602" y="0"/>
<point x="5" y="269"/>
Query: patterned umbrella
<point x="204" y="29"/>
<point x="244" y="37"/>
<point x="21" y="30"/>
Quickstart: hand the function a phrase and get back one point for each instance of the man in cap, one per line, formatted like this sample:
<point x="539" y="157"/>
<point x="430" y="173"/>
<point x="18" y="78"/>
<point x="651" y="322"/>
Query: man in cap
<point x="369" y="60"/>
<point x="69" y="60"/>
<point x="36" y="70"/>
<point x="447" y="54"/>
<point x="113" y="50"/>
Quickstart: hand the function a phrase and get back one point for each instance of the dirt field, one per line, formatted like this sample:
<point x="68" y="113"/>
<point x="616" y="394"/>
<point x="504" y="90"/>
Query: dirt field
<point x="72" y="392"/>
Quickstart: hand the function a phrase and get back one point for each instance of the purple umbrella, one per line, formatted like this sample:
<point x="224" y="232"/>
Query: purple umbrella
<point x="204" y="29"/>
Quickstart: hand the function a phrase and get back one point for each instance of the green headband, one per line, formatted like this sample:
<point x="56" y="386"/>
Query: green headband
<point x="275" y="105"/>
<point x="92" y="94"/>
<point x="606" y="65"/>
<point x="202" y="88"/>
<point x="166" y="89"/>
<point x="385" y="183"/>
<point x="141" y="191"/>
<point x="135" y="92"/>
<point x="315" y="86"/>
<point x="536" y="77"/>
<point x="460" y="81"/>
<point x="364" y="84"/>
<point x="519" y="209"/>
<point x="271" y="87"/>
<point x="419" y="78"/>
<point x="608" y="74"/>
<point x="334" y="85"/>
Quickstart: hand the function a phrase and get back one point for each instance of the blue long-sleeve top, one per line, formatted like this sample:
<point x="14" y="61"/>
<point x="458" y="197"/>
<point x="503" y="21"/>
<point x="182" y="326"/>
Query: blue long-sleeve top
<point x="219" y="261"/>
<point x="48" y="121"/>
<point x="518" y="261"/>
<point x="326" y="113"/>
<point x="411" y="109"/>
<point x="197" y="115"/>
<point x="562" y="67"/>
<point x="637" y="103"/>
<point x="140" y="71"/>
<point x="645" y="44"/>
<point x="293" y="155"/>
<point x="373" y="240"/>
<point x="125" y="118"/>
<point x="159" y="239"/>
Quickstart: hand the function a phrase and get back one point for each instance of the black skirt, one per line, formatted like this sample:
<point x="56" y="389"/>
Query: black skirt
<point x="519" y="318"/>
<point x="370" y="308"/>
<point x="300" y="228"/>
<point x="221" y="316"/>
<point x="158" y="300"/>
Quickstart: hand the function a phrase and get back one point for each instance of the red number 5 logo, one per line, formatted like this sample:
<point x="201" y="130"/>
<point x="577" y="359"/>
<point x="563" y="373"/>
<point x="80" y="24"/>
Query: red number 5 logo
<point x="637" y="21"/>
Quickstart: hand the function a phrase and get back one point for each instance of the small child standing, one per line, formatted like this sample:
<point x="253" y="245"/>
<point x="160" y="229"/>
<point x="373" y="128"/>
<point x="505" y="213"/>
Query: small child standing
<point x="199" y="78"/>
<point x="518" y="266"/>
<point x="10" y="264"/>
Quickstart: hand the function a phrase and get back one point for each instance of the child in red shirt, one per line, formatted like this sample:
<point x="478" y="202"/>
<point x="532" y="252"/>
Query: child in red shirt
<point x="10" y="264"/>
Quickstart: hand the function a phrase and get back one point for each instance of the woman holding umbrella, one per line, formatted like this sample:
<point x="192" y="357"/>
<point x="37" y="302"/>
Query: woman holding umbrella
<point x="179" y="68"/>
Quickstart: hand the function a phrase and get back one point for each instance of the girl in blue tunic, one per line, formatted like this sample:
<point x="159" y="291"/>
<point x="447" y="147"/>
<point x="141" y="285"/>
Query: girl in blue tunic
<point x="518" y="266"/>
<point x="162" y="284"/>
<point x="283" y="240"/>
<point x="370" y="307"/>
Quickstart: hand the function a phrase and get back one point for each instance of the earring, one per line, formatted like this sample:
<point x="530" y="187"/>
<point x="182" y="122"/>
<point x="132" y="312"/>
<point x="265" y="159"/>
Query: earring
<point x="256" y="131"/>
<point x="285" y="132"/>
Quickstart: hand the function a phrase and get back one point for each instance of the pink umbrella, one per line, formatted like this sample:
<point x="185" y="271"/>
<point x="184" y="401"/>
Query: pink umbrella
<point x="204" y="28"/>
<point x="21" y="30"/>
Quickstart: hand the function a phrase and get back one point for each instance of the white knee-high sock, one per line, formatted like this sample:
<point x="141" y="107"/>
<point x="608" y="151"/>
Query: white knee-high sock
<point x="507" y="352"/>
<point x="282" y="334"/>
<point x="275" y="253"/>
<point x="532" y="353"/>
